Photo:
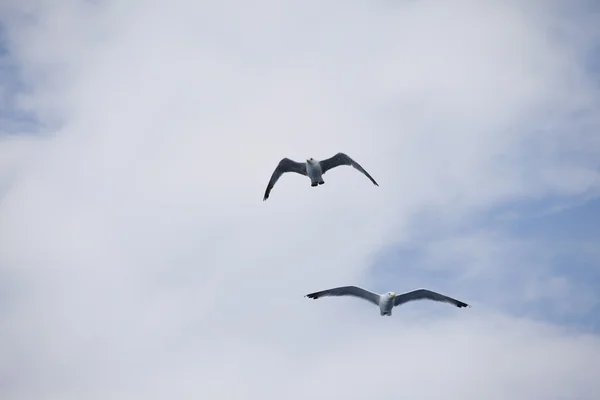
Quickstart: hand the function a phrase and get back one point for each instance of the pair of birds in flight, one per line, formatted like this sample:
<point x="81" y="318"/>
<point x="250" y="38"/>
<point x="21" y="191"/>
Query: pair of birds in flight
<point x="314" y="170"/>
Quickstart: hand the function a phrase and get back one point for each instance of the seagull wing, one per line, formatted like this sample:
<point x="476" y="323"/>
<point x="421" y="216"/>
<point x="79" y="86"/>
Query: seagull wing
<point x="421" y="294"/>
<point x="343" y="159"/>
<point x="347" y="291"/>
<point x="285" y="165"/>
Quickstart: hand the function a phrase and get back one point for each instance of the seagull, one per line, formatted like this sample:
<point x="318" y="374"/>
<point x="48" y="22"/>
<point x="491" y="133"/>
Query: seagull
<point x="389" y="300"/>
<point x="314" y="169"/>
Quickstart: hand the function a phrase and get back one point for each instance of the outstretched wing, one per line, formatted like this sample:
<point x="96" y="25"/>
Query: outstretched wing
<point x="354" y="291"/>
<point x="285" y="165"/>
<point x="421" y="294"/>
<point x="343" y="159"/>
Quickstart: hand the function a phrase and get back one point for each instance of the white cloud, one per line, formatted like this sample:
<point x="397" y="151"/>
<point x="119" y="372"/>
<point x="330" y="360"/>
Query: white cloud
<point x="135" y="244"/>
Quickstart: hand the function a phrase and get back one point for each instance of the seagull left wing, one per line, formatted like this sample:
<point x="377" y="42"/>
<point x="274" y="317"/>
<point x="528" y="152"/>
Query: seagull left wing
<point x="354" y="291"/>
<point x="343" y="159"/>
<point x="285" y="165"/>
<point x="421" y="294"/>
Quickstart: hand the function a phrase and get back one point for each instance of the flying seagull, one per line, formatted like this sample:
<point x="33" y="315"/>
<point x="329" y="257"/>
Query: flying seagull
<point x="314" y="169"/>
<point x="389" y="300"/>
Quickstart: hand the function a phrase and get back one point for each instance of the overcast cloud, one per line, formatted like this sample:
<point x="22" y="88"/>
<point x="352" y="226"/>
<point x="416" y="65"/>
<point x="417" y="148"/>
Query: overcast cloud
<point x="138" y="260"/>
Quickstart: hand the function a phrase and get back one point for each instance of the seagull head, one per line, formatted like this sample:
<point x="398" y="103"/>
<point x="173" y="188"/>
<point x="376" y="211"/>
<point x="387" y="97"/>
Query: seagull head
<point x="310" y="160"/>
<point x="391" y="294"/>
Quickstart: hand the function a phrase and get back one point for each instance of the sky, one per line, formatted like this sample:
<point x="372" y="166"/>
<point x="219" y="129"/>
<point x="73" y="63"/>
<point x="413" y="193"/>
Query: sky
<point x="138" y="260"/>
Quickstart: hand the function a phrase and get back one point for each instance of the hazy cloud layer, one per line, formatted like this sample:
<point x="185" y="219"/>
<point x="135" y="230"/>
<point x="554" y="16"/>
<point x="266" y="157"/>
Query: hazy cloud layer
<point x="136" y="255"/>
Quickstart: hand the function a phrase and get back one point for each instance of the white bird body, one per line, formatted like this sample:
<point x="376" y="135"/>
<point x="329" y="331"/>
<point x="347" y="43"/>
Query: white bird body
<point x="314" y="172"/>
<point x="387" y="301"/>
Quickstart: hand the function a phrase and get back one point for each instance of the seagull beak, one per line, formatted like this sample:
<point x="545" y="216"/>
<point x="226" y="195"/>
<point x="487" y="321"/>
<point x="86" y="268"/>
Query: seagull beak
<point x="393" y="294"/>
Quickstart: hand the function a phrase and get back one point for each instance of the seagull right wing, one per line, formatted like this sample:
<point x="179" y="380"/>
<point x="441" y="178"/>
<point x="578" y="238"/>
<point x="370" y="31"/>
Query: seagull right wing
<point x="424" y="294"/>
<point x="285" y="165"/>
<point x="354" y="291"/>
<point x="343" y="159"/>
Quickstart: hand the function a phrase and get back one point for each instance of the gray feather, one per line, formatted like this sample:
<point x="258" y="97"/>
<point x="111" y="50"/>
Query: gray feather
<point x="285" y="165"/>
<point x="424" y="294"/>
<point x="354" y="291"/>
<point x="344" y="159"/>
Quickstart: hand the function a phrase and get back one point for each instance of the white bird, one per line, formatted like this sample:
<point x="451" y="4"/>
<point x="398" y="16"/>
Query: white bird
<point x="389" y="300"/>
<point x="314" y="169"/>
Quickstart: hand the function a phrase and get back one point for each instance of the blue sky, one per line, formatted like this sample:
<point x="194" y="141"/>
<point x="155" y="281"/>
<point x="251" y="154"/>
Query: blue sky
<point x="14" y="119"/>
<point x="560" y="244"/>
<point x="139" y="260"/>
